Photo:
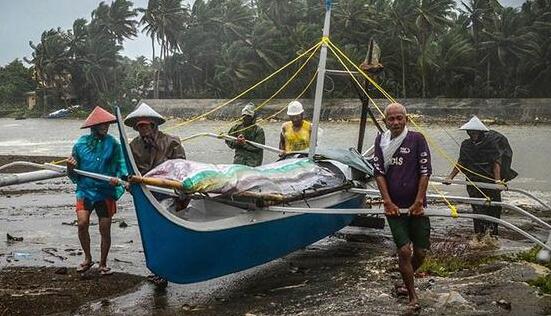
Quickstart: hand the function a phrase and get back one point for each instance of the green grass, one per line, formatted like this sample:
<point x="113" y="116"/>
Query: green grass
<point x="445" y="266"/>
<point x="543" y="283"/>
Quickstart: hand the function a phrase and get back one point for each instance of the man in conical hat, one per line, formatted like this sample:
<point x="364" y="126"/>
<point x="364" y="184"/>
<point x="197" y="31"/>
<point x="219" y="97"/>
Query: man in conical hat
<point x="101" y="153"/>
<point x="247" y="154"/>
<point x="484" y="157"/>
<point x="152" y="147"/>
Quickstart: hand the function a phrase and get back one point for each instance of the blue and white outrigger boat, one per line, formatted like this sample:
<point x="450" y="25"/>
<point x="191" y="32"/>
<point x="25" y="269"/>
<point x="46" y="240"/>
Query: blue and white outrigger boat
<point x="220" y="235"/>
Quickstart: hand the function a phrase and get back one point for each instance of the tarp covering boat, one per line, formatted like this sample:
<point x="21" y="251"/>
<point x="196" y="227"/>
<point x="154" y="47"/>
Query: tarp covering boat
<point x="282" y="177"/>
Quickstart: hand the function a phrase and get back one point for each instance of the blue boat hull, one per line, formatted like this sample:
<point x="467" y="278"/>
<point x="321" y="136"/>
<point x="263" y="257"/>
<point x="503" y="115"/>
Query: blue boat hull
<point x="183" y="255"/>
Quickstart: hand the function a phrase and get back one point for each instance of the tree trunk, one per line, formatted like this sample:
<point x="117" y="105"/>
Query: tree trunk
<point x="403" y="68"/>
<point x="155" y="81"/>
<point x="488" y="78"/>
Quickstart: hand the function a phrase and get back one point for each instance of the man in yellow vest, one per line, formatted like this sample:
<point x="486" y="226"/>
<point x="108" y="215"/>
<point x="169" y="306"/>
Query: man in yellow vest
<point x="295" y="134"/>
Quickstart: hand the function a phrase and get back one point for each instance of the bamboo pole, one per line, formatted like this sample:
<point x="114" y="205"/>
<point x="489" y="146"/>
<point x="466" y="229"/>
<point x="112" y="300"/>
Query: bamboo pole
<point x="163" y="183"/>
<point x="431" y="213"/>
<point x="494" y="186"/>
<point x="225" y="136"/>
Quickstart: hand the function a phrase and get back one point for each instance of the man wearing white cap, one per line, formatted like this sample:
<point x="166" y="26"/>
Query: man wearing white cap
<point x="484" y="157"/>
<point x="247" y="154"/>
<point x="295" y="134"/>
<point x="152" y="147"/>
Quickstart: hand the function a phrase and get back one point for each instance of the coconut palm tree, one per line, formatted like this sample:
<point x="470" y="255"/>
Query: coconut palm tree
<point x="164" y="21"/>
<point x="115" y="20"/>
<point x="432" y="18"/>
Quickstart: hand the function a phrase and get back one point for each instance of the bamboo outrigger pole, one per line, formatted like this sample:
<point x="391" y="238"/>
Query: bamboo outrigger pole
<point x="437" y="213"/>
<point x="494" y="186"/>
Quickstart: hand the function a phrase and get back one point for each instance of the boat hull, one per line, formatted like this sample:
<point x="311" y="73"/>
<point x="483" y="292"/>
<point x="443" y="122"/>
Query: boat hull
<point x="186" y="252"/>
<point x="183" y="255"/>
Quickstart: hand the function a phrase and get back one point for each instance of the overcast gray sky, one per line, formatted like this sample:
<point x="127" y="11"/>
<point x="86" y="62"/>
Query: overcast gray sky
<point x="22" y="21"/>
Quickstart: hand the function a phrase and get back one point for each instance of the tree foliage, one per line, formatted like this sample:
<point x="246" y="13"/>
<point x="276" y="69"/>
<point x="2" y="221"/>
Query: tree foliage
<point x="217" y="48"/>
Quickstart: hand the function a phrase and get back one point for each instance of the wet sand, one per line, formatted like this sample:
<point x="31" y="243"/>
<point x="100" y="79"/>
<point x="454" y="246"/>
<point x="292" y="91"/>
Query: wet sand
<point x="48" y="290"/>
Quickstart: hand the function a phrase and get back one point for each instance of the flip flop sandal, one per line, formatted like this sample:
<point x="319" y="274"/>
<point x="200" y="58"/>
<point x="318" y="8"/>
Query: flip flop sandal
<point x="158" y="281"/>
<point x="400" y="290"/>
<point x="83" y="267"/>
<point x="414" y="308"/>
<point x="105" y="271"/>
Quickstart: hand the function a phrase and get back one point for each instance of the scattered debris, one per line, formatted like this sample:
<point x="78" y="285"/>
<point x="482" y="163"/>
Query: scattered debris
<point x="451" y="298"/>
<point x="51" y="252"/>
<point x="504" y="304"/>
<point x="21" y="255"/>
<point x="290" y="286"/>
<point x="61" y="270"/>
<point x="123" y="224"/>
<point x="13" y="238"/>
<point x="123" y="261"/>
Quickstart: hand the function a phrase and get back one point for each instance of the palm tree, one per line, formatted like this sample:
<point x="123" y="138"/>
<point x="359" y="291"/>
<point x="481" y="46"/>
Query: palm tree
<point x="50" y="59"/>
<point x="116" y="21"/>
<point x="432" y="18"/>
<point x="164" y="21"/>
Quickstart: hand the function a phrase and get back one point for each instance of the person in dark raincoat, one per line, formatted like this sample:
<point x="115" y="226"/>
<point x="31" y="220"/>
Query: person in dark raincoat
<point x="485" y="156"/>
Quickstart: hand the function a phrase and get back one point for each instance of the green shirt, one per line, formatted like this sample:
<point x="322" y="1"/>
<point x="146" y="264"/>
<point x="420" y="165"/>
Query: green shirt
<point x="247" y="154"/>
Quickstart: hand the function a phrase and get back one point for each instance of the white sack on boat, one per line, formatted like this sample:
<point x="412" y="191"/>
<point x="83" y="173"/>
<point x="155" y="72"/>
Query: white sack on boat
<point x="284" y="177"/>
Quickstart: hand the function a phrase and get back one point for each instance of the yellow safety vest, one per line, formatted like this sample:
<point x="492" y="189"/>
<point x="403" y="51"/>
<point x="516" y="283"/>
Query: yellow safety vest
<point x="297" y="140"/>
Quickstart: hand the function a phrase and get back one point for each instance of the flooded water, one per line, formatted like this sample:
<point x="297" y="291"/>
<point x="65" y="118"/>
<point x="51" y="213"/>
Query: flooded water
<point x="43" y="213"/>
<point x="55" y="137"/>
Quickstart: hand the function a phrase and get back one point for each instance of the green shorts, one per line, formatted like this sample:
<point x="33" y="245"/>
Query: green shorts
<point x="406" y="229"/>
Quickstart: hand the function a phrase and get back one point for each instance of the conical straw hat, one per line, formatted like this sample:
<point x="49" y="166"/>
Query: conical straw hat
<point x="143" y="111"/>
<point x="99" y="116"/>
<point x="475" y="124"/>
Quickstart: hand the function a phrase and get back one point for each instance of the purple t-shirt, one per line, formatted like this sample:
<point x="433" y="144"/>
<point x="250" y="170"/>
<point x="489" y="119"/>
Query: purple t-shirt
<point x="410" y="161"/>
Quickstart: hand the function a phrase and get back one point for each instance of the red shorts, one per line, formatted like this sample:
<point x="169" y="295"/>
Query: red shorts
<point x="105" y="208"/>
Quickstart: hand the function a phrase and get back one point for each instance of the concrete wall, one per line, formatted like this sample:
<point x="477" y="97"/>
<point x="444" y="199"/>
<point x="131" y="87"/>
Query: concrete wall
<point x="506" y="110"/>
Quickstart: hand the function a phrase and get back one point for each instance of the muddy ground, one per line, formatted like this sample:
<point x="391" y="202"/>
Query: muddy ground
<point x="48" y="290"/>
<point x="350" y="273"/>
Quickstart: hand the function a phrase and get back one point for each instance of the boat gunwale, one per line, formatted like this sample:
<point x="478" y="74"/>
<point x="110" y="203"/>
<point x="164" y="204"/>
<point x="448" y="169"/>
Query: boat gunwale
<point x="244" y="219"/>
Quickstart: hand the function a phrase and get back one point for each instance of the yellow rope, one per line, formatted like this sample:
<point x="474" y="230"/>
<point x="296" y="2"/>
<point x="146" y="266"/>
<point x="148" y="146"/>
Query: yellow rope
<point x="260" y="121"/>
<point x="57" y="162"/>
<point x="390" y="98"/>
<point x="246" y="91"/>
<point x="261" y="105"/>
<point x="356" y="81"/>
<point x="375" y="84"/>
<point x="334" y="50"/>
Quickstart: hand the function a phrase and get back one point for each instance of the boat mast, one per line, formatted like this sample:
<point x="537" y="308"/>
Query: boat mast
<point x="319" y="83"/>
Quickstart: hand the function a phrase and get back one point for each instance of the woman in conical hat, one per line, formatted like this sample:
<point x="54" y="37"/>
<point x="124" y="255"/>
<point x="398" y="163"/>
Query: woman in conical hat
<point x="101" y="153"/>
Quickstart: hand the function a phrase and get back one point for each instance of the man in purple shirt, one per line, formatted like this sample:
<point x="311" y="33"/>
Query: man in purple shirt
<point x="402" y="170"/>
